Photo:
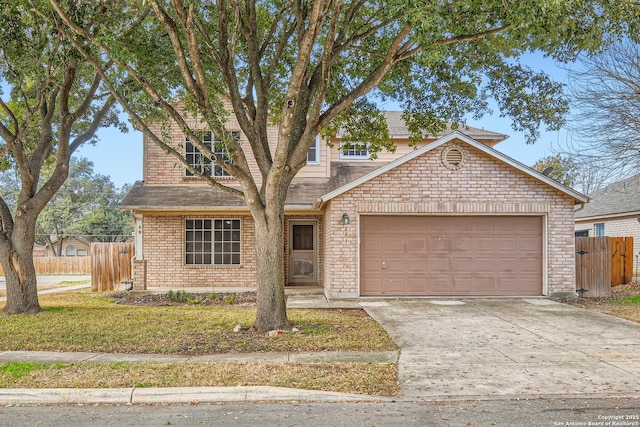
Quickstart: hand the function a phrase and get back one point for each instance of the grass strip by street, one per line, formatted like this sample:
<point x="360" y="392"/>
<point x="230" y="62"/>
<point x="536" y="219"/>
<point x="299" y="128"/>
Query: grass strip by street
<point x="363" y="378"/>
<point x="90" y="322"/>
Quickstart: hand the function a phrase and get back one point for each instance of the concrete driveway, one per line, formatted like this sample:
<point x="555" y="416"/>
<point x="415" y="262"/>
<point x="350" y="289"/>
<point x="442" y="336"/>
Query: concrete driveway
<point x="509" y="348"/>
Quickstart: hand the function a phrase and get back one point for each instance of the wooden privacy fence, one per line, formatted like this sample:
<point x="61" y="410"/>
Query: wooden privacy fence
<point x="111" y="265"/>
<point x="602" y="262"/>
<point x="60" y="265"/>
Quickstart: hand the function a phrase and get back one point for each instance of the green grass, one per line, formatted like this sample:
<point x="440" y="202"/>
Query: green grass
<point x="15" y="371"/>
<point x="85" y="321"/>
<point x="631" y="300"/>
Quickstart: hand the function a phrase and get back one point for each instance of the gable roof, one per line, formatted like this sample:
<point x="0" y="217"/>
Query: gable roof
<point x="618" y="199"/>
<point x="457" y="135"/>
<point x="398" y="129"/>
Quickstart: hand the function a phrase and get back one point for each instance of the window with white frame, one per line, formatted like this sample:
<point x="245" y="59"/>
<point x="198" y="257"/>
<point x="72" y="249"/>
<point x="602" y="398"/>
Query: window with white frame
<point x="313" y="154"/>
<point x="212" y="241"/>
<point x="201" y="162"/>
<point x="356" y="150"/>
<point x="599" y="229"/>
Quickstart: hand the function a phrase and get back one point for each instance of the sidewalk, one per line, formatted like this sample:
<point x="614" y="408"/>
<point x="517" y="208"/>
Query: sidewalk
<point x="190" y="394"/>
<point x="45" y="284"/>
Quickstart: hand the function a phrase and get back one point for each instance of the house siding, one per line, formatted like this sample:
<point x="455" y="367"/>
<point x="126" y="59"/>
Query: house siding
<point x="482" y="186"/>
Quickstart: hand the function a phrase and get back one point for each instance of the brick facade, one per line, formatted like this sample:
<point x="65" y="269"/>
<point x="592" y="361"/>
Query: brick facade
<point x="164" y="255"/>
<point x="483" y="186"/>
<point x="424" y="185"/>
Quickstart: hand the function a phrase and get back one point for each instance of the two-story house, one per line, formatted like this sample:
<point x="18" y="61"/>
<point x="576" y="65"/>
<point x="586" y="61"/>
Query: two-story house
<point x="452" y="217"/>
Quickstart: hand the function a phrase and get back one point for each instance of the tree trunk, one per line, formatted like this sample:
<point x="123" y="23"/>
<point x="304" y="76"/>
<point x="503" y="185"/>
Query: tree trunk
<point x="16" y="257"/>
<point x="271" y="302"/>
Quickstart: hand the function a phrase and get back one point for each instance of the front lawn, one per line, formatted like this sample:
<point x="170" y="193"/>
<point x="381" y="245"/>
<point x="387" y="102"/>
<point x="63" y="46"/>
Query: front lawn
<point x="89" y="322"/>
<point x="84" y="321"/>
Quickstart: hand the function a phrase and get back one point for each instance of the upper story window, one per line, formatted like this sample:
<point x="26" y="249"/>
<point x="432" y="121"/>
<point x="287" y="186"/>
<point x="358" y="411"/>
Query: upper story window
<point x="600" y="229"/>
<point x="202" y="162"/>
<point x="356" y="150"/>
<point x="313" y="155"/>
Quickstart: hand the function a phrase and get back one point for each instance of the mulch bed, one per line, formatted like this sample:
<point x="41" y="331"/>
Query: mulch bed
<point x="617" y="293"/>
<point x="238" y="299"/>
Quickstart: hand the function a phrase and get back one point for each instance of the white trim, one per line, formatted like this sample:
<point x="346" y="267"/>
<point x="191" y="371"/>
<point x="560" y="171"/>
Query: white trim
<point x="139" y="236"/>
<point x="579" y="197"/>
<point x="316" y="144"/>
<point x="545" y="255"/>
<point x="345" y="156"/>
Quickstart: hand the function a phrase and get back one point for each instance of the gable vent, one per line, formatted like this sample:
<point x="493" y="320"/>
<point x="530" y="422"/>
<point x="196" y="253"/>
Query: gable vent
<point x="453" y="158"/>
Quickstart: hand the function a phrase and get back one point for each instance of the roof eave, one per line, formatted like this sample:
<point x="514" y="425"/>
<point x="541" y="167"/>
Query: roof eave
<point x="608" y="215"/>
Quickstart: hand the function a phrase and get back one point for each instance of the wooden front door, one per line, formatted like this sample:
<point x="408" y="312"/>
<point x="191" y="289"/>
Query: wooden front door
<point x="303" y="258"/>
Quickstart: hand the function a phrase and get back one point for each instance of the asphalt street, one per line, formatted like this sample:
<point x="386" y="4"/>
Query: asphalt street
<point x="534" y="412"/>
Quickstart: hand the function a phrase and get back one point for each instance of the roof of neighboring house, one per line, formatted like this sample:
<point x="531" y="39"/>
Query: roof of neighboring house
<point x="618" y="199"/>
<point x="398" y="129"/>
<point x="84" y="239"/>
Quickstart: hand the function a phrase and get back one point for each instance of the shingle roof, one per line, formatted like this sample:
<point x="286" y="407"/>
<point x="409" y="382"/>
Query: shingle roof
<point x="618" y="198"/>
<point x="303" y="192"/>
<point x="398" y="129"/>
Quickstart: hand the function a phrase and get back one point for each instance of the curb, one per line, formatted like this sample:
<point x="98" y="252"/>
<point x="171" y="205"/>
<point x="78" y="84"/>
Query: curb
<point x="390" y="356"/>
<point x="24" y="396"/>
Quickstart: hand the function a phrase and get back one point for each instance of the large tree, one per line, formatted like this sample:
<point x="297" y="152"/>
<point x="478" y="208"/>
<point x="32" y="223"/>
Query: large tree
<point x="51" y="103"/>
<point x="86" y="204"/>
<point x="313" y="67"/>
<point x="560" y="167"/>
<point x="606" y="96"/>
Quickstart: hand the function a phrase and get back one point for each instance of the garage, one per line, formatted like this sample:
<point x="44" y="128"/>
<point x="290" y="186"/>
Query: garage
<point x="451" y="255"/>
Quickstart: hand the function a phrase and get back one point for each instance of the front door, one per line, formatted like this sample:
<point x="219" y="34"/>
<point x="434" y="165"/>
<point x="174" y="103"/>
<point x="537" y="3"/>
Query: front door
<point x="302" y="253"/>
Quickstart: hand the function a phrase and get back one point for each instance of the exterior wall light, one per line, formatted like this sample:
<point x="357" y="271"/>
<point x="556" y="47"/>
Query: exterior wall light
<point x="345" y="219"/>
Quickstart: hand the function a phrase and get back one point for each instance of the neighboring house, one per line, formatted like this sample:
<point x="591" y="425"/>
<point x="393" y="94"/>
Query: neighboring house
<point x="453" y="217"/>
<point x="613" y="211"/>
<point x="69" y="246"/>
<point x="38" y="250"/>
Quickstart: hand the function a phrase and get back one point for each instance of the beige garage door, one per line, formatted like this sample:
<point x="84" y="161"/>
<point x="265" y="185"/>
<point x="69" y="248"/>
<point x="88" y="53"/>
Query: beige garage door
<point x="450" y="255"/>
